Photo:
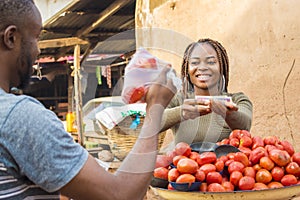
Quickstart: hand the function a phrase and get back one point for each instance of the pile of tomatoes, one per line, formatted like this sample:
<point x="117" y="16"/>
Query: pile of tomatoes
<point x="262" y="163"/>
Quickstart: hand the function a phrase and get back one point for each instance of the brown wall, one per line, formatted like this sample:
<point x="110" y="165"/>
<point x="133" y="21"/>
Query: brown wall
<point x="262" y="39"/>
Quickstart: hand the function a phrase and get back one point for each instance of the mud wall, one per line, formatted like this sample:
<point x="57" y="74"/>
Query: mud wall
<point x="262" y="39"/>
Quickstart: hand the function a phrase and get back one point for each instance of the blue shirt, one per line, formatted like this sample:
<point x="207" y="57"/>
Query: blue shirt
<point x="37" y="156"/>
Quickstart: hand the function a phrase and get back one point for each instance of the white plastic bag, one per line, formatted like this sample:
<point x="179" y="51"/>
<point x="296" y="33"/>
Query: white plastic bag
<point x="143" y="69"/>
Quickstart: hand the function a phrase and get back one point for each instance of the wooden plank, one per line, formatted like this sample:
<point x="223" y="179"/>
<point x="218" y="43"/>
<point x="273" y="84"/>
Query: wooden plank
<point x="61" y="42"/>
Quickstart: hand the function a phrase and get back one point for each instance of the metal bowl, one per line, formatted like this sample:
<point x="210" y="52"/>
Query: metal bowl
<point x="288" y="192"/>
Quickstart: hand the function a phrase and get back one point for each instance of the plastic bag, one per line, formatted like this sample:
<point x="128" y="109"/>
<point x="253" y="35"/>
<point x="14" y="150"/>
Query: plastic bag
<point x="143" y="69"/>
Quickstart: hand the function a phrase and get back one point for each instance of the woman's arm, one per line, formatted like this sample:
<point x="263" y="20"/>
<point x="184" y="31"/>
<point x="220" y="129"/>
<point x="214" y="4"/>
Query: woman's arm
<point x="238" y="116"/>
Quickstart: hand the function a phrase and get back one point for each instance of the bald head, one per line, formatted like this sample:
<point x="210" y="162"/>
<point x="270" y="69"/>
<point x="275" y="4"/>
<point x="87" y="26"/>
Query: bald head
<point x="20" y="26"/>
<point x="13" y="12"/>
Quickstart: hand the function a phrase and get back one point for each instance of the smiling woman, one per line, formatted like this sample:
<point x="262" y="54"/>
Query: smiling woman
<point x="205" y="73"/>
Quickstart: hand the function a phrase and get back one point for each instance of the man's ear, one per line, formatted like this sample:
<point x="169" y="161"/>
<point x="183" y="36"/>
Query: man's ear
<point x="9" y="37"/>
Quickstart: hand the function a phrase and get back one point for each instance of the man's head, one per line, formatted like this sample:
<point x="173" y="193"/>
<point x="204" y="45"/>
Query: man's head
<point x="20" y="26"/>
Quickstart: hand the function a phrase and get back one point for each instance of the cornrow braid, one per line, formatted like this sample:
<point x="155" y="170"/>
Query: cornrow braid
<point x="222" y="57"/>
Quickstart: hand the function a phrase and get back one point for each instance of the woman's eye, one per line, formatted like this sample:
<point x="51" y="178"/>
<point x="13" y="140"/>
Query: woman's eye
<point x="211" y="62"/>
<point x="195" y="63"/>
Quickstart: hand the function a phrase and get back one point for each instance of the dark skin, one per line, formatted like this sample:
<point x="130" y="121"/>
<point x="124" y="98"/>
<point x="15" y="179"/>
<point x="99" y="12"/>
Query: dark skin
<point x="18" y="50"/>
<point x="204" y="72"/>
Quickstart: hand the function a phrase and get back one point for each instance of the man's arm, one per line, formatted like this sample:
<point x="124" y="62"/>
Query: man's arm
<point x="133" y="177"/>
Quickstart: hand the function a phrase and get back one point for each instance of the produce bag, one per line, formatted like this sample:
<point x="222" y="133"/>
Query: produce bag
<point x="141" y="71"/>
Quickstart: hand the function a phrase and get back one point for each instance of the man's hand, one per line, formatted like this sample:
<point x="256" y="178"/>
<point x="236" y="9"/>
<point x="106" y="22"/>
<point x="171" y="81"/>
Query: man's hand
<point x="161" y="91"/>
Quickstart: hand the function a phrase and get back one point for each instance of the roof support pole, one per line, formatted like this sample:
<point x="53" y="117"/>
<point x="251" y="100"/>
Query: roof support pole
<point x="78" y="95"/>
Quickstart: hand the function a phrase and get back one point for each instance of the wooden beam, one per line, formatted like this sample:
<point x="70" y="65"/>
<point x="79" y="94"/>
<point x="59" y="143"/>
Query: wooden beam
<point x="110" y="10"/>
<point x="61" y="42"/>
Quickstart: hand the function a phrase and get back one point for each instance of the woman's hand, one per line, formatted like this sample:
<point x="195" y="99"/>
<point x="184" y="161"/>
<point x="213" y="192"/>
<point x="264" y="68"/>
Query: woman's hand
<point x="193" y="108"/>
<point x="222" y="108"/>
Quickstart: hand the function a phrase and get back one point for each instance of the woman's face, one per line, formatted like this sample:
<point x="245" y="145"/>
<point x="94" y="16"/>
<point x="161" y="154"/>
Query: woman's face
<point x="204" y="69"/>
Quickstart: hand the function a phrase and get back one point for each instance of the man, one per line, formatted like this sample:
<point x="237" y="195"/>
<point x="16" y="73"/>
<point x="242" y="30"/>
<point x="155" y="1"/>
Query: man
<point x="39" y="160"/>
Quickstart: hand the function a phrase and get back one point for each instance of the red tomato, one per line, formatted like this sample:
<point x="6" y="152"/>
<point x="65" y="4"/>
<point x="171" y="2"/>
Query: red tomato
<point x="186" y="178"/>
<point x="256" y="167"/>
<point x="241" y="157"/>
<point x="219" y="165"/>
<point x="171" y="155"/>
<point x="208" y="168"/>
<point x="249" y="171"/>
<point x="203" y="187"/>
<point x="260" y="186"/>
<point x="228" y="162"/>
<point x="194" y="155"/>
<point x="275" y="184"/>
<point x="215" y="187"/>
<point x="234" y="142"/>
<point x="173" y="175"/>
<point x="289" y="179"/>
<point x="136" y="94"/>
<point x="246" y="183"/>
<point x="266" y="163"/>
<point x="162" y="161"/>
<point x="206" y="157"/>
<point x="245" y="150"/>
<point x="229" y="187"/>
<point x="170" y="187"/>
<point x="271" y="140"/>
<point x="244" y="133"/>
<point x="288" y="147"/>
<point x="161" y="172"/>
<point x="235" y="134"/>
<point x="257" y="141"/>
<point x="293" y="168"/>
<point x="269" y="148"/>
<point x="277" y="173"/>
<point x="246" y="141"/>
<point x="177" y="158"/>
<point x="235" y="177"/>
<point x="200" y="175"/>
<point x="280" y="157"/>
<point x="224" y="141"/>
<point x="257" y="154"/>
<point x="183" y="148"/>
<point x="187" y="166"/>
<point x="263" y="176"/>
<point x="213" y="177"/>
<point x="236" y="166"/>
<point x="225" y="158"/>
<point x="296" y="158"/>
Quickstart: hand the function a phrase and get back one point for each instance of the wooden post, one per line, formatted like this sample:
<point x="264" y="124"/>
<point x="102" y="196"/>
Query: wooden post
<point x="78" y="95"/>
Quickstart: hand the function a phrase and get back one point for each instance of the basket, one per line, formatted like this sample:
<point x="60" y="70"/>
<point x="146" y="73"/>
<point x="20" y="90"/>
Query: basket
<point x="122" y="138"/>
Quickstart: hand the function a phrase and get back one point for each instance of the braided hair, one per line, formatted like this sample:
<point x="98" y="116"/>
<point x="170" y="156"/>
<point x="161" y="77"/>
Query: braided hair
<point x="13" y="12"/>
<point x="222" y="57"/>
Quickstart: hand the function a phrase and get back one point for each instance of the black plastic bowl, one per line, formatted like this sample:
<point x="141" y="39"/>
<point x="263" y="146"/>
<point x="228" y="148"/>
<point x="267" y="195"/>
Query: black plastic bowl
<point x="158" y="182"/>
<point x="225" y="149"/>
<point x="195" y="186"/>
<point x="203" y="146"/>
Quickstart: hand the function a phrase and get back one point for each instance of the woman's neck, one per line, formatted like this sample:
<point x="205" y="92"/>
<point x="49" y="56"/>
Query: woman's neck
<point x="207" y="92"/>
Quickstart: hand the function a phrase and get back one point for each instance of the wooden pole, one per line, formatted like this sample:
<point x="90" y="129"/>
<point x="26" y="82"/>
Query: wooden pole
<point x="78" y="95"/>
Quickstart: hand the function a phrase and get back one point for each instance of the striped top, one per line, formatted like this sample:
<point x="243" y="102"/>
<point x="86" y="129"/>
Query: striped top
<point x="210" y="127"/>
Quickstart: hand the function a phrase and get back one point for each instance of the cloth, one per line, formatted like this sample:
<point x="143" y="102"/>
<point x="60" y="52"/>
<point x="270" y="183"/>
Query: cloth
<point x="111" y="116"/>
<point x="210" y="127"/>
<point x="38" y="157"/>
